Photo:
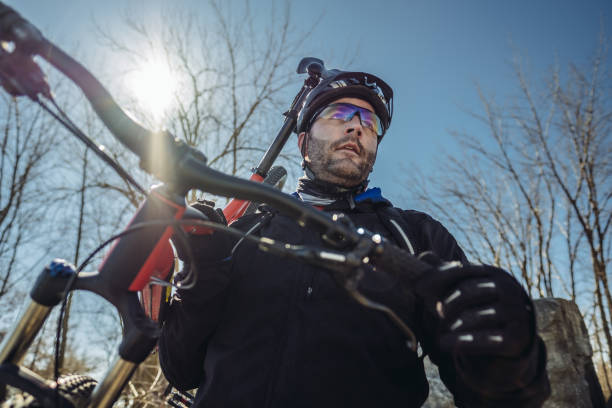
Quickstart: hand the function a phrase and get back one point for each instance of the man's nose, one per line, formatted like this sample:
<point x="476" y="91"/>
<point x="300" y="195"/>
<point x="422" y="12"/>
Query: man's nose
<point x="353" y="126"/>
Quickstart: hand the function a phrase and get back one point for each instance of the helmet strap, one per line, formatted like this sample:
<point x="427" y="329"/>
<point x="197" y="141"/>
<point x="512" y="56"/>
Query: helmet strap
<point x="304" y="148"/>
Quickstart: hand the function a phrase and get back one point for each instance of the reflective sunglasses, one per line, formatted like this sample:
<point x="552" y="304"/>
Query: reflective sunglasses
<point x="346" y="112"/>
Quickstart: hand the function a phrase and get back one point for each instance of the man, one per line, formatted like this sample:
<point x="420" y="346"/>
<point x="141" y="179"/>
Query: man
<point x="260" y="331"/>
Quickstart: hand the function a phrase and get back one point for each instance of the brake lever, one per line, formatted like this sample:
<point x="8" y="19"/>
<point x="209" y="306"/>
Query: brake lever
<point x="15" y="28"/>
<point x="350" y="281"/>
<point x="21" y="76"/>
<point x="412" y="341"/>
<point x="347" y="269"/>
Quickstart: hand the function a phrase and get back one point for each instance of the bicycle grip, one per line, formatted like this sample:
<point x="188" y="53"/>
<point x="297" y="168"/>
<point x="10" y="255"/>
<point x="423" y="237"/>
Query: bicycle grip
<point x="399" y="263"/>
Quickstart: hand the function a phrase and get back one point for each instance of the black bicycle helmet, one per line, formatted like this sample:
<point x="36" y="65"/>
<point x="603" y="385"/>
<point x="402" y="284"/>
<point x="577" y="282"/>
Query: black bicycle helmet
<point x="341" y="84"/>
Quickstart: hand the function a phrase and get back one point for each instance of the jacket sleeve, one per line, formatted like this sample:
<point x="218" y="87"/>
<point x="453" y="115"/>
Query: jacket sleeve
<point x="480" y="381"/>
<point x="194" y="313"/>
<point x="191" y="319"/>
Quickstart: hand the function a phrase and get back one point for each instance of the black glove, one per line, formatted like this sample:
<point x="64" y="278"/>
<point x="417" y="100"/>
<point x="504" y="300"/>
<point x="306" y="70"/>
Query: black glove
<point x="475" y="309"/>
<point x="199" y="237"/>
<point x="200" y="247"/>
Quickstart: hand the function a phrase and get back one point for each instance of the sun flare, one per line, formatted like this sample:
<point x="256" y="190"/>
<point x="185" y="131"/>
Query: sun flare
<point x="153" y="85"/>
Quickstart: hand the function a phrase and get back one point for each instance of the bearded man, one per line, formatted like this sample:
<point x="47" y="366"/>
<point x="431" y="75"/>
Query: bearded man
<point x="260" y="331"/>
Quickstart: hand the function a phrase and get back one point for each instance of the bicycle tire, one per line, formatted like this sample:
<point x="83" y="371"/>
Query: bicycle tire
<point x="77" y="388"/>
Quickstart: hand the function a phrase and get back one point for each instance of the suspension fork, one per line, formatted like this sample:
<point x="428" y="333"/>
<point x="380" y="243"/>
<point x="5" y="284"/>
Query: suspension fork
<point x="125" y="270"/>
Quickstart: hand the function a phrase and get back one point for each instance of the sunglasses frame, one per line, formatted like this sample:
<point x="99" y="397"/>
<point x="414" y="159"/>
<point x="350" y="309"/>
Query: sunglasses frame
<point x="356" y="110"/>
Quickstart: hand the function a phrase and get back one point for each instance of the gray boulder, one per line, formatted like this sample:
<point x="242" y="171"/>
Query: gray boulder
<point x="570" y="366"/>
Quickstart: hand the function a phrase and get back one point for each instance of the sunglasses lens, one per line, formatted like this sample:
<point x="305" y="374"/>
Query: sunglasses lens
<point x="338" y="111"/>
<point x="370" y="120"/>
<point x="346" y="112"/>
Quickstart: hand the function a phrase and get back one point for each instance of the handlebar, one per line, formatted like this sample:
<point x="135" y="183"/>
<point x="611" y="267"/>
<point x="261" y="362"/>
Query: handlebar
<point x="189" y="169"/>
<point x="131" y="134"/>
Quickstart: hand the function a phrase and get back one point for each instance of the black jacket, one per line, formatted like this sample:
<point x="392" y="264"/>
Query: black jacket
<point x="261" y="331"/>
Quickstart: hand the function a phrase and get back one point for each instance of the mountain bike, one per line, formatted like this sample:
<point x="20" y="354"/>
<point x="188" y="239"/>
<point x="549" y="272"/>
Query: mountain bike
<point x="141" y="254"/>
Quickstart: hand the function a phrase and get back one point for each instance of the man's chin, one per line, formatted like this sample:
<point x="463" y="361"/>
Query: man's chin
<point x="345" y="177"/>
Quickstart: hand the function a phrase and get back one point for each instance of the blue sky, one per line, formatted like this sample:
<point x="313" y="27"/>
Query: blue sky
<point x="431" y="52"/>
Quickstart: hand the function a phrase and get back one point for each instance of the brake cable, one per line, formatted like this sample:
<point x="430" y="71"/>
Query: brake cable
<point x="65" y="120"/>
<point x="20" y="75"/>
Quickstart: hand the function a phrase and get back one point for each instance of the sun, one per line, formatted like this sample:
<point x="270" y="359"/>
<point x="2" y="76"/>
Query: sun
<point x="153" y="86"/>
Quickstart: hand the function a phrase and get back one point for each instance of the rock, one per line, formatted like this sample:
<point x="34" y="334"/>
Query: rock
<point x="439" y="396"/>
<point x="570" y="367"/>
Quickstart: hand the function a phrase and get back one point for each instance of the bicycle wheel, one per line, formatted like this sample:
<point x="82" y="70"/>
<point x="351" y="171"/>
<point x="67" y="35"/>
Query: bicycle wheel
<point x="76" y="388"/>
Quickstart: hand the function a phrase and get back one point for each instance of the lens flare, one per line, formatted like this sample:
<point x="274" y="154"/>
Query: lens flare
<point x="153" y="85"/>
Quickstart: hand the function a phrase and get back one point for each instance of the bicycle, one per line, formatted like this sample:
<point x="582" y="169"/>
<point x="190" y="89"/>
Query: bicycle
<point x="130" y="265"/>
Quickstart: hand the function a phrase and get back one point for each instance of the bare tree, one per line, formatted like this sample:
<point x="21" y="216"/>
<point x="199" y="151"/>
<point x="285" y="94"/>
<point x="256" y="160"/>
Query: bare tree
<point x="535" y="194"/>
<point x="232" y="75"/>
<point x="25" y="142"/>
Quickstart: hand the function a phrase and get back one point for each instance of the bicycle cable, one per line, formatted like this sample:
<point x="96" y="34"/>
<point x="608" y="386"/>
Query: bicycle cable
<point x="65" y="120"/>
<point x="181" y="235"/>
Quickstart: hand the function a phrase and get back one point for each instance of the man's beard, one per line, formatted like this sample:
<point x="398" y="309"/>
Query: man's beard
<point x="341" y="171"/>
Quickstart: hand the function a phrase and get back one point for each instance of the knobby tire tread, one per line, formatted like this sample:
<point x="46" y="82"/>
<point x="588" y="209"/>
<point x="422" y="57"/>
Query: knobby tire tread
<point x="77" y="388"/>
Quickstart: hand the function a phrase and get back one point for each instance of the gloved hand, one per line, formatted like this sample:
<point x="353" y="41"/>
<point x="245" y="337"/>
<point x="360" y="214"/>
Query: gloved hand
<point x="475" y="309"/>
<point x="200" y="247"/>
<point x="198" y="237"/>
